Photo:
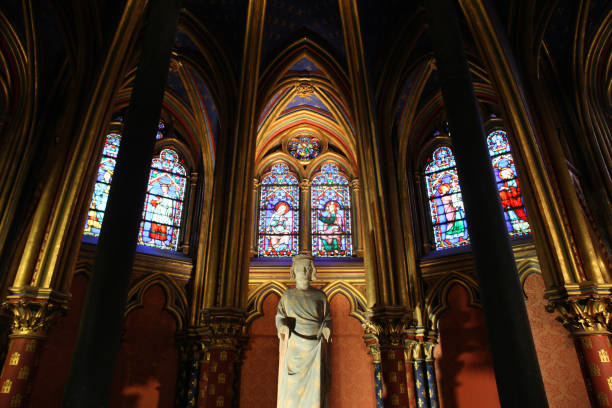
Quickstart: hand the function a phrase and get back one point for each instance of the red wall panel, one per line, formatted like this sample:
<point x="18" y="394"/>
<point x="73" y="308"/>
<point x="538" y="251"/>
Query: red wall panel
<point x="463" y="361"/>
<point x="48" y="388"/>
<point x="561" y="373"/>
<point x="147" y="364"/>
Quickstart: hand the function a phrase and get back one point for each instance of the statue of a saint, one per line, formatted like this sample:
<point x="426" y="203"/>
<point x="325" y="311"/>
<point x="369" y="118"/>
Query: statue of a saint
<point x="303" y="322"/>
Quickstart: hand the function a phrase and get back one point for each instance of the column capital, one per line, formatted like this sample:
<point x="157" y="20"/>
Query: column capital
<point x="32" y="318"/>
<point x="223" y="329"/>
<point x="193" y="177"/>
<point x="386" y="329"/>
<point x="584" y="315"/>
<point x="305" y="184"/>
<point x="256" y="183"/>
<point x="355" y="184"/>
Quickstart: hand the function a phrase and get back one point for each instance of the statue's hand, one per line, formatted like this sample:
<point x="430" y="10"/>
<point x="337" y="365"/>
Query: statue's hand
<point x="283" y="332"/>
<point x="326" y="333"/>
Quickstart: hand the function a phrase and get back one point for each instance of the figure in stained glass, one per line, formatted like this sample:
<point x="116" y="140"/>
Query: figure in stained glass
<point x="333" y="227"/>
<point x="331" y="211"/>
<point x="278" y="213"/>
<point x="446" y="204"/>
<point x="507" y="184"/>
<point x="278" y="228"/>
<point x="164" y="202"/>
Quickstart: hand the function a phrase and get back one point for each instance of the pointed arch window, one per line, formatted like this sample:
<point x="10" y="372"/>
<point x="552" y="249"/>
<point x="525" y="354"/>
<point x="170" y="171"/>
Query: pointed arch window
<point x="163" y="208"/>
<point x="507" y="184"/>
<point x="445" y="201"/>
<point x="279" y="215"/>
<point x="330" y="204"/>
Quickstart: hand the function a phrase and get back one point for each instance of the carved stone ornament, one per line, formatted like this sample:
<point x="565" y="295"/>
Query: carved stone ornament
<point x="418" y="350"/>
<point x="304" y="89"/>
<point x="388" y="332"/>
<point x="32" y="318"/>
<point x="587" y="315"/>
<point x="224" y="330"/>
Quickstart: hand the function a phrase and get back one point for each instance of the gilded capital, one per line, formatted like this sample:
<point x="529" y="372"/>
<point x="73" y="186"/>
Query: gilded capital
<point x="224" y="329"/>
<point x="32" y="318"/>
<point x="584" y="315"/>
<point x="355" y="184"/>
<point x="386" y="332"/>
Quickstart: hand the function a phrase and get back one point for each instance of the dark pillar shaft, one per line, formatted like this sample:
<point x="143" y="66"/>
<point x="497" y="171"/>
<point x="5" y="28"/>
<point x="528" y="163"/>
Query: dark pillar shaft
<point x="96" y="350"/>
<point x="519" y="381"/>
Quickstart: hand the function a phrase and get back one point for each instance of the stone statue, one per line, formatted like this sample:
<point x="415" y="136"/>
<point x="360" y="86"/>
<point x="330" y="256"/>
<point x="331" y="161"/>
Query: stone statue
<point x="303" y="322"/>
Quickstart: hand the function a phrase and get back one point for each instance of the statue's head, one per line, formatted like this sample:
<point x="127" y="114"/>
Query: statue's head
<point x="304" y="262"/>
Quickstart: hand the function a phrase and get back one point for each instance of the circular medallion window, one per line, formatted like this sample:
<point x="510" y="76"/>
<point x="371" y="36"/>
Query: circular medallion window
<point x="304" y="147"/>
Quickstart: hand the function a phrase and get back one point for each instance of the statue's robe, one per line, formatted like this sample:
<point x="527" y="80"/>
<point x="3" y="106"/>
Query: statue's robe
<point x="303" y="377"/>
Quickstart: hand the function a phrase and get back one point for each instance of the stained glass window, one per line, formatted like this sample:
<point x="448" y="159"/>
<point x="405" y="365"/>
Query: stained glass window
<point x="163" y="208"/>
<point x="331" y="213"/>
<point x="507" y="184"/>
<point x="279" y="213"/>
<point x="304" y="147"/>
<point x="106" y="168"/>
<point x="161" y="130"/>
<point x="445" y="202"/>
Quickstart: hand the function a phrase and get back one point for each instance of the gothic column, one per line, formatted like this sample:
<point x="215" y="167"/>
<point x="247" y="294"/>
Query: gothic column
<point x="384" y="338"/>
<point x="587" y="318"/>
<point x="193" y="183"/>
<point x="224" y="337"/>
<point x="519" y="381"/>
<point x="410" y="378"/>
<point x="424" y="371"/>
<point x="190" y="356"/>
<point x="305" y="230"/>
<point x="30" y="322"/>
<point x="223" y="260"/>
<point x="357" y="215"/>
<point x="97" y="345"/>
<point x="255" y="244"/>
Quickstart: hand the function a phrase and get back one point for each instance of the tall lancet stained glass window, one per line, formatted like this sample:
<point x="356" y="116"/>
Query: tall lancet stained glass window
<point x="507" y="184"/>
<point x="445" y="202"/>
<point x="97" y="206"/>
<point x="163" y="208"/>
<point x="278" y="213"/>
<point x="330" y="205"/>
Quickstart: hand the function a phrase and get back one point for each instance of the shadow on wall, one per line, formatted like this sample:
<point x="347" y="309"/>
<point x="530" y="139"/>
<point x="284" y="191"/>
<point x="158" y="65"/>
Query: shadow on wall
<point x="352" y="370"/>
<point x="147" y="364"/>
<point x="463" y="362"/>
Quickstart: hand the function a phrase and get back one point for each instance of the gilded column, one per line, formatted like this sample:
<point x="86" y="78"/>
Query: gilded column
<point x="30" y="322"/>
<point x="430" y="369"/>
<point x="255" y="243"/>
<point x="193" y="183"/>
<point x="587" y="319"/>
<point x="357" y="228"/>
<point x="305" y="230"/>
<point x="384" y="336"/>
<point x="410" y="378"/>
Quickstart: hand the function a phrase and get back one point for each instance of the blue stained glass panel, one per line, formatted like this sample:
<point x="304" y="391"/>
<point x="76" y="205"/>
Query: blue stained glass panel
<point x="508" y="184"/>
<point x="163" y="206"/>
<point x="278" y="225"/>
<point x="331" y="222"/>
<point x="106" y="168"/>
<point x="445" y="201"/>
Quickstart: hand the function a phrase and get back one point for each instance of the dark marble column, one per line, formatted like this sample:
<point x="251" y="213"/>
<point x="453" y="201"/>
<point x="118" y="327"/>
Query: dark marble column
<point x="519" y="381"/>
<point x="94" y="357"/>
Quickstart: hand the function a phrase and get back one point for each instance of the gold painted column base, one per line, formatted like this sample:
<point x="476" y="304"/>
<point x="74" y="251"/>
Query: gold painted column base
<point x="384" y="335"/>
<point x="223" y="337"/>
<point x="30" y="322"/>
<point x="587" y="318"/>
